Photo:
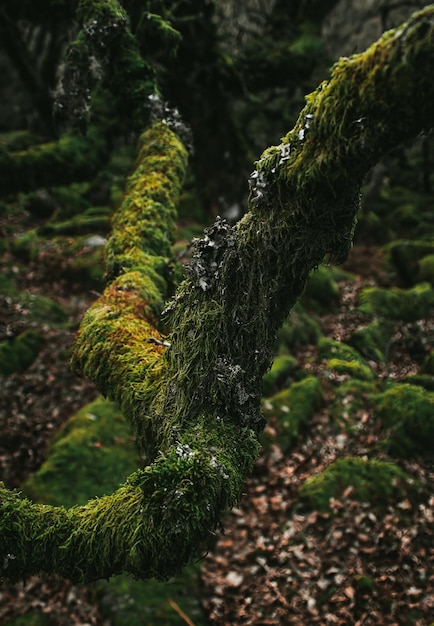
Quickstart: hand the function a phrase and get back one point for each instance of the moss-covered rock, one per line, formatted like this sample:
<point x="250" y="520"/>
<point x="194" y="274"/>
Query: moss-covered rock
<point x="349" y="397"/>
<point x="373" y="340"/>
<point x="42" y="309"/>
<point x="426" y="269"/>
<point x="331" y="349"/>
<point x="407" y="305"/>
<point x="127" y="602"/>
<point x="300" y="329"/>
<point x="350" y="368"/>
<point x="407" y="412"/>
<point x="282" y="367"/>
<point x="289" y="411"/>
<point x="19" y="352"/>
<point x="422" y="380"/>
<point x="90" y="456"/>
<point x="322" y="291"/>
<point x="376" y="482"/>
<point x="405" y="256"/>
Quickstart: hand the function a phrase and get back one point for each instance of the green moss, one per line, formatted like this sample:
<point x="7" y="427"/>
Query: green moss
<point x="17" y="353"/>
<point x="42" y="309"/>
<point x="289" y="411"/>
<point x="330" y="349"/>
<point x="78" y="225"/>
<point x="407" y="305"/>
<point x="7" y="284"/>
<point x="405" y="258"/>
<point x="90" y="456"/>
<point x="350" y="368"/>
<point x="282" y="367"/>
<point x="349" y="397"/>
<point x="422" y="380"/>
<point x="407" y="413"/>
<point x="373" y="341"/>
<point x="126" y="602"/>
<point x="428" y="365"/>
<point x="426" y="269"/>
<point x="376" y="482"/>
<point x="322" y="291"/>
<point x="34" y="618"/>
<point x="300" y="329"/>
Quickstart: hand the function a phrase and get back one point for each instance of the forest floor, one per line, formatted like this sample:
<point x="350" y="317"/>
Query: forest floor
<point x="276" y="562"/>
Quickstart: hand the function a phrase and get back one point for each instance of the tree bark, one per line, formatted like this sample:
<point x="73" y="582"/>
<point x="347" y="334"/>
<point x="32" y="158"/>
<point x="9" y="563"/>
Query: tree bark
<point x="195" y="403"/>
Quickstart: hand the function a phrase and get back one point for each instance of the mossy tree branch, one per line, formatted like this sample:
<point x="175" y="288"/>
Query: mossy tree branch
<point x="203" y="415"/>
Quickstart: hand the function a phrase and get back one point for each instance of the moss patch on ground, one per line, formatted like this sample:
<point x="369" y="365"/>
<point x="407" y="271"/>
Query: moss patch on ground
<point x="322" y="291"/>
<point x="407" y="413"/>
<point x="376" y="482"/>
<point x="282" y="367"/>
<point x="90" y="456"/>
<point x="407" y="305"/>
<point x="300" y="329"/>
<point x="289" y="411"/>
<point x="373" y="341"/>
<point x="17" y="353"/>
<point x="127" y="602"/>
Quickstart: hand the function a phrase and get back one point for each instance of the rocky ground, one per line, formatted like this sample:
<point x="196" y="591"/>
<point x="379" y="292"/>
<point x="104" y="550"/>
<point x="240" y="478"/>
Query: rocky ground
<point x="280" y="560"/>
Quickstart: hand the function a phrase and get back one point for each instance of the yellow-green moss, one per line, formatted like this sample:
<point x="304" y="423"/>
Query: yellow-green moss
<point x="350" y="368"/>
<point x="376" y="482"/>
<point x="331" y="349"/>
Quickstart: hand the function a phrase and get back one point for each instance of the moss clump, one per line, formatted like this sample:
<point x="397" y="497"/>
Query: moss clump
<point x="407" y="305"/>
<point x="289" y="412"/>
<point x="43" y="310"/>
<point x="331" y="349"/>
<point x="426" y="269"/>
<point x="349" y="397"/>
<point x="405" y="257"/>
<point x="282" y="367"/>
<point x="90" y="456"/>
<point x="300" y="329"/>
<point x="376" y="482"/>
<point x="19" y="352"/>
<point x="127" y="602"/>
<point x="350" y="368"/>
<point x="407" y="412"/>
<point x="373" y="341"/>
<point x="322" y="291"/>
<point x="422" y="380"/>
